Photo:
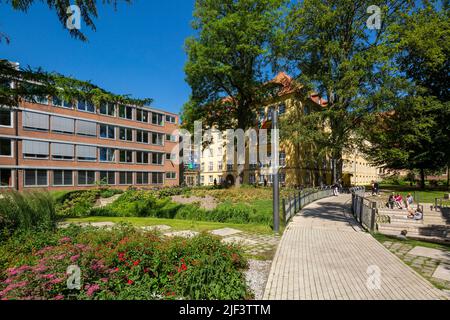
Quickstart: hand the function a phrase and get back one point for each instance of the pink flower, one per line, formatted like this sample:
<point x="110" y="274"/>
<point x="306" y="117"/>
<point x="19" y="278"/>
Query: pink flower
<point x="48" y="276"/>
<point x="59" y="257"/>
<point x="92" y="289"/>
<point x="74" y="258"/>
<point x="56" y="281"/>
<point x="40" y="268"/>
<point x="59" y="297"/>
<point x="65" y="239"/>
<point x="104" y="279"/>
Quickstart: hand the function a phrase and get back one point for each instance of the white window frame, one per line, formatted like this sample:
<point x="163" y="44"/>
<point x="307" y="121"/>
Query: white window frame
<point x="11" y="115"/>
<point x="107" y="161"/>
<point x="107" y="126"/>
<point x="173" y="175"/>
<point x="12" y="148"/>
<point x="86" y="184"/>
<point x="63" y="178"/>
<point x="132" y="155"/>
<point x="127" y="183"/>
<point x="35" y="175"/>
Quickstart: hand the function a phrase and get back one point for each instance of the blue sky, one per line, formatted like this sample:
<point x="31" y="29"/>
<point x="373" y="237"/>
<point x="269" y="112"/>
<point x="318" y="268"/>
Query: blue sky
<point x="136" y="50"/>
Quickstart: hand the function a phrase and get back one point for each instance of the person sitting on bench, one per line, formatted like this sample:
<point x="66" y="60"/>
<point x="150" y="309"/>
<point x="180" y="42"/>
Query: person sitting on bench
<point x="391" y="201"/>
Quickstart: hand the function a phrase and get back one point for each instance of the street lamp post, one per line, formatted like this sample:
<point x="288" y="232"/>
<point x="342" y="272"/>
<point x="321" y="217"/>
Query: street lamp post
<point x="275" y="181"/>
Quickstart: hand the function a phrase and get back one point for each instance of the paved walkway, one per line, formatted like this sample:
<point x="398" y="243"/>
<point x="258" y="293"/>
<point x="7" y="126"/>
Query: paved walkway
<point x="323" y="254"/>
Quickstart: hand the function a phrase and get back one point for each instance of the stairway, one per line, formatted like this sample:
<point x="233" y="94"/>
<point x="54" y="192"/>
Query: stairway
<point x="434" y="226"/>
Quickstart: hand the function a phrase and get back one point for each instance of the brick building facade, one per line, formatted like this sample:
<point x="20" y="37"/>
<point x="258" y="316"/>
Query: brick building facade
<point x="53" y="144"/>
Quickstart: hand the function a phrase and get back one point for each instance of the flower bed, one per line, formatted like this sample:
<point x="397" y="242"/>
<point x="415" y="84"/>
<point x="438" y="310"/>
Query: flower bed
<point x="122" y="263"/>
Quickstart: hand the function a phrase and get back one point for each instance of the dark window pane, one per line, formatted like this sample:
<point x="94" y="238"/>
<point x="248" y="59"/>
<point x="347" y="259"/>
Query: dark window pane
<point x="5" y="117"/>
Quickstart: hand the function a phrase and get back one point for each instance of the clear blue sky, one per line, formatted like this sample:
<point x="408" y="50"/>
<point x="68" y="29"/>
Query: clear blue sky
<point x="136" y="50"/>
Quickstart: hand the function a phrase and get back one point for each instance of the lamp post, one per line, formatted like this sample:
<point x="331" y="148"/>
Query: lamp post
<point x="275" y="180"/>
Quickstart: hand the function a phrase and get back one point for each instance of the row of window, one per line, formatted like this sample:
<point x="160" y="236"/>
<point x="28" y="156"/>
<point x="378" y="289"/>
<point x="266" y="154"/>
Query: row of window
<point x="110" y="109"/>
<point x="251" y="179"/>
<point x="70" y="152"/>
<point x="56" y="124"/>
<point x="282" y="162"/>
<point x="37" y="177"/>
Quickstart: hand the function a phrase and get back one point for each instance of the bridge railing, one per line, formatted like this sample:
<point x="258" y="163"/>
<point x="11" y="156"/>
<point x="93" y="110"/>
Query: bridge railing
<point x="295" y="202"/>
<point x="364" y="210"/>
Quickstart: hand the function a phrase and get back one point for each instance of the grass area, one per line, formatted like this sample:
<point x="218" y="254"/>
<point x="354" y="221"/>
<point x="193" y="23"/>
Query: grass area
<point x="382" y="238"/>
<point x="422" y="196"/>
<point x="176" y="224"/>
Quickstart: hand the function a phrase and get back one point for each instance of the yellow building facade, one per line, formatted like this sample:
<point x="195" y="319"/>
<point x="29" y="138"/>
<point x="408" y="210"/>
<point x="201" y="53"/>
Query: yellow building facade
<point x="300" y="164"/>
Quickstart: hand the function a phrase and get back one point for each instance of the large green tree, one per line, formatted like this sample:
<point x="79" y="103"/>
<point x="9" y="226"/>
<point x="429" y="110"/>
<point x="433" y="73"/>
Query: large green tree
<point x="415" y="134"/>
<point x="227" y="60"/>
<point x="331" y="46"/>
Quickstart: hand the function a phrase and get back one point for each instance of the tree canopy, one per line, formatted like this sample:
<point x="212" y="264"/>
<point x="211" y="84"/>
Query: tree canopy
<point x="227" y="60"/>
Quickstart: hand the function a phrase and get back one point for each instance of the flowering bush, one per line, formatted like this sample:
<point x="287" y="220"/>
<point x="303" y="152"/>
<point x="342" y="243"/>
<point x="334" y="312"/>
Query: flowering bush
<point x="121" y="264"/>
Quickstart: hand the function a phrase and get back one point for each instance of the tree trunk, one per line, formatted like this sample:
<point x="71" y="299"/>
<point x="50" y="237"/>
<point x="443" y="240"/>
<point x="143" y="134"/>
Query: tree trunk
<point x="422" y="178"/>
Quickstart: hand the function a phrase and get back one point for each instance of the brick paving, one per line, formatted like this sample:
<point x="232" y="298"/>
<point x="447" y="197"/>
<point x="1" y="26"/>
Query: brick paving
<point x="323" y="254"/>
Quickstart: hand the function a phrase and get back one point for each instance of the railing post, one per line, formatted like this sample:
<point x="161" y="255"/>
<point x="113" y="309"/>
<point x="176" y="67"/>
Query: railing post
<point x="295" y="203"/>
<point x="285" y="218"/>
<point x="299" y="200"/>
<point x="373" y="216"/>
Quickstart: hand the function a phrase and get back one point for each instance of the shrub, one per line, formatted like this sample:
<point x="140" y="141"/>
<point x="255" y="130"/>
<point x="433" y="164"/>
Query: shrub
<point x="26" y="211"/>
<point x="123" y="263"/>
<point x="77" y="203"/>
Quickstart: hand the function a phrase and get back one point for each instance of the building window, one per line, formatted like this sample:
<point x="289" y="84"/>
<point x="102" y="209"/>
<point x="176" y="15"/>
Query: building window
<point x="40" y="99"/>
<point x="126" y="112"/>
<point x="252" y="178"/>
<point x="5" y="147"/>
<point x="62" y="151"/>
<point x="62" y="178"/>
<point x="62" y="125"/>
<point x="107" y="131"/>
<point x="157" y="138"/>
<point x="282" y="177"/>
<point x="5" y="177"/>
<point x="35" y="149"/>
<point x="157" y="158"/>
<point x="170" y="119"/>
<point x="141" y="177"/>
<point x="157" y="119"/>
<point x="126" y="134"/>
<point x="141" y="136"/>
<point x="141" y="115"/>
<point x="281" y="109"/>
<point x="211" y="166"/>
<point x="125" y="177"/>
<point x="157" y="177"/>
<point x="229" y="167"/>
<point x="126" y="156"/>
<point x="86" y="178"/>
<point x="5" y="117"/>
<point x="219" y="151"/>
<point x="107" y="155"/>
<point x="35" y="178"/>
<point x="35" y="121"/>
<point x="219" y="165"/>
<point x="171" y="138"/>
<point x="141" y="157"/>
<point x="108" y="109"/>
<point x="202" y="179"/>
<point x="108" y="177"/>
<point x="86" y="128"/>
<point x="86" y="153"/>
<point x="57" y="101"/>
<point x="211" y="179"/>
<point x="171" y="175"/>
<point x="85" y="105"/>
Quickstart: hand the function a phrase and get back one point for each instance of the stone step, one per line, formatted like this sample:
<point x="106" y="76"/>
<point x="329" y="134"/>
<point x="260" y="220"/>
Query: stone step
<point x="416" y="236"/>
<point x="415" y="231"/>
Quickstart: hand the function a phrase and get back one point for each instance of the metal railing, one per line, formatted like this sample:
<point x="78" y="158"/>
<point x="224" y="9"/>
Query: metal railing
<point x="294" y="203"/>
<point x="439" y="203"/>
<point x="364" y="210"/>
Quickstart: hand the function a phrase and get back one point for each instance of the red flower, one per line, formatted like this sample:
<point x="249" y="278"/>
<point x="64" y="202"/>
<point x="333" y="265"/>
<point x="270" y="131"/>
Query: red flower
<point x="130" y="281"/>
<point x="182" y="268"/>
<point x="135" y="263"/>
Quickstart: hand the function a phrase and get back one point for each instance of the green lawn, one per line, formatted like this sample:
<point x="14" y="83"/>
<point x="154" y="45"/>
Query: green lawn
<point x="176" y="224"/>
<point x="422" y="196"/>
